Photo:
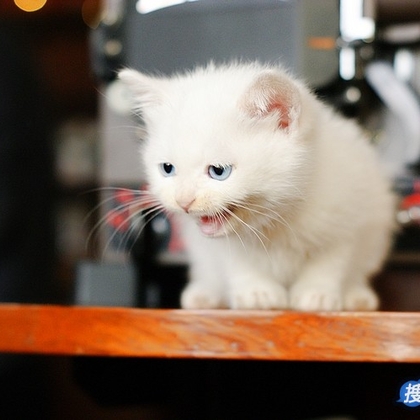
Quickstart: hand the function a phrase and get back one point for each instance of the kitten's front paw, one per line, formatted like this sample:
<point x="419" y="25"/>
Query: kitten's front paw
<point x="305" y="298"/>
<point x="360" y="298"/>
<point x="199" y="297"/>
<point x="259" y="296"/>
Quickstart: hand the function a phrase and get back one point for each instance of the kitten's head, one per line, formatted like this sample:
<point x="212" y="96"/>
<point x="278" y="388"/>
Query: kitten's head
<point x="224" y="145"/>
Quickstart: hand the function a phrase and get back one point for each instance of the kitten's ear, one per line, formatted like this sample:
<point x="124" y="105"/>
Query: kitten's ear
<point x="273" y="93"/>
<point x="146" y="90"/>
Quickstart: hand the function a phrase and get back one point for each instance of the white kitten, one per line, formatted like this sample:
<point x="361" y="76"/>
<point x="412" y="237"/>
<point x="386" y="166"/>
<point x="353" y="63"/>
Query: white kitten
<point x="283" y="202"/>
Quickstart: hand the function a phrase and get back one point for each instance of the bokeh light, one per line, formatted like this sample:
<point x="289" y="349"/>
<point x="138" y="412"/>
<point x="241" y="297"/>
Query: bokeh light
<point x="91" y="12"/>
<point x="30" y="5"/>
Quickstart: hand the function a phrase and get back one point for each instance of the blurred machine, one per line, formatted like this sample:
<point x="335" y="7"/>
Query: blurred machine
<point x="154" y="36"/>
<point x="361" y="55"/>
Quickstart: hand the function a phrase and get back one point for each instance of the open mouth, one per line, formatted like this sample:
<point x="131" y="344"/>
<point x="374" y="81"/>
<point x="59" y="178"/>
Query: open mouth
<point x="212" y="225"/>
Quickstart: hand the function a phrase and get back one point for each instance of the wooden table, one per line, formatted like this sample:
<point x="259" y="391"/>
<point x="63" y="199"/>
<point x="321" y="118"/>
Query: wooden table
<point x="221" y="334"/>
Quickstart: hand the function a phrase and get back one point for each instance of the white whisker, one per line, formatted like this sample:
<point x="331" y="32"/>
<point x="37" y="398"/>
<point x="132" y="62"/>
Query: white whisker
<point x="141" y="221"/>
<point x="222" y="217"/>
<point x="259" y="235"/>
<point x="268" y="213"/>
<point x="138" y="207"/>
<point x="108" y="199"/>
<point x="103" y="220"/>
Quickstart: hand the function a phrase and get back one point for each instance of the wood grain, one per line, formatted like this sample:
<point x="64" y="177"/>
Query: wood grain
<point x="268" y="335"/>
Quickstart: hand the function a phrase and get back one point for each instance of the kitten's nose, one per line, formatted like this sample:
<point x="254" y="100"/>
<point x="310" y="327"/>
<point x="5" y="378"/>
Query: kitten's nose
<point x="185" y="204"/>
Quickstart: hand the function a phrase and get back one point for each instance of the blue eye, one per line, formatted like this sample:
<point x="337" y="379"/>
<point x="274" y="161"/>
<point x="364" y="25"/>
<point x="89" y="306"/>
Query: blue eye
<point x="167" y="169"/>
<point x="220" y="172"/>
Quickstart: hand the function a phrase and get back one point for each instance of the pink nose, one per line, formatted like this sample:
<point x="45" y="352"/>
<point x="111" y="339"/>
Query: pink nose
<point x="185" y="204"/>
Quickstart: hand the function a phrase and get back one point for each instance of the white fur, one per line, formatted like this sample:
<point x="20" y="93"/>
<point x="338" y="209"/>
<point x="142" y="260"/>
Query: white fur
<point x="313" y="212"/>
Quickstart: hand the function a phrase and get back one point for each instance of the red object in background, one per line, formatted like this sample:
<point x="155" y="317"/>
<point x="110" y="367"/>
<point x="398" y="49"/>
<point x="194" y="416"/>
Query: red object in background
<point x="412" y="200"/>
<point x="119" y="220"/>
<point x="125" y="196"/>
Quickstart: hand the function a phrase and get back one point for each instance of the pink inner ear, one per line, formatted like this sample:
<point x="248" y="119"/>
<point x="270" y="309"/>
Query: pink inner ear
<point x="283" y="111"/>
<point x="273" y="94"/>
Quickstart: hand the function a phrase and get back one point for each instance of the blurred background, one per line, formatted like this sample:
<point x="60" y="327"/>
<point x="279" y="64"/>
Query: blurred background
<point x="68" y="163"/>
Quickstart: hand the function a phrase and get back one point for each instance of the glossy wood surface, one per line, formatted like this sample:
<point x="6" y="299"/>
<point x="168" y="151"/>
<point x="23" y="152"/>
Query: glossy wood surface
<point x="60" y="330"/>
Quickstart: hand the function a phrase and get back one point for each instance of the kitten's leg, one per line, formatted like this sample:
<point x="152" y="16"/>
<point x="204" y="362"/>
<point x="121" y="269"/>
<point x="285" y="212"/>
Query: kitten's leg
<point x="204" y="291"/>
<point x="368" y="258"/>
<point x="259" y="294"/>
<point x="207" y="286"/>
<point x="359" y="296"/>
<point x="320" y="284"/>
<point x="250" y="289"/>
